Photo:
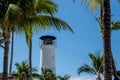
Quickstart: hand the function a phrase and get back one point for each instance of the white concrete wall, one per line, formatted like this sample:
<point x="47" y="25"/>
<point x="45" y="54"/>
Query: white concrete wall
<point x="47" y="57"/>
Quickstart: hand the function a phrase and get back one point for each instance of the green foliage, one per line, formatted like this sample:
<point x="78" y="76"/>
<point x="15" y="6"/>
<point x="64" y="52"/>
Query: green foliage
<point x="93" y="4"/>
<point x="115" y="25"/>
<point x="46" y="7"/>
<point x="47" y="74"/>
<point x="86" y="68"/>
<point x="97" y="65"/>
<point x="65" y="77"/>
<point x="37" y="16"/>
<point x="34" y="14"/>
<point x="100" y="24"/>
<point x="23" y="71"/>
<point x="97" y="62"/>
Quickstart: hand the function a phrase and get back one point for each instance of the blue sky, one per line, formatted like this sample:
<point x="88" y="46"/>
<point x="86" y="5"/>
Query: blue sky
<point x="71" y="49"/>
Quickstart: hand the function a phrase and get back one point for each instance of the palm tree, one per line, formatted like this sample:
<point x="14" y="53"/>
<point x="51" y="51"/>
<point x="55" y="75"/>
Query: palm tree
<point x="115" y="25"/>
<point x="23" y="71"/>
<point x="18" y="14"/>
<point x="107" y="40"/>
<point x="105" y="21"/>
<point x="65" y="77"/>
<point x="94" y="5"/>
<point x="8" y="18"/>
<point x="47" y="74"/>
<point x="96" y="68"/>
<point x="45" y="6"/>
<point x="45" y="21"/>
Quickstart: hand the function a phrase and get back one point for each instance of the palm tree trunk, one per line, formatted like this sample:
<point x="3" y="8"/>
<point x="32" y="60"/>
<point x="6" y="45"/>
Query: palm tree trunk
<point x="113" y="64"/>
<point x="107" y="40"/>
<point x="30" y="58"/>
<point x="114" y="69"/>
<point x="12" y="49"/>
<point x="6" y="36"/>
<point x="98" y="78"/>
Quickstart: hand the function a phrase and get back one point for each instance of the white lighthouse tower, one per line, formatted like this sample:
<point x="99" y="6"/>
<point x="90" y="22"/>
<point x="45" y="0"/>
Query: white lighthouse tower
<point x="47" y="52"/>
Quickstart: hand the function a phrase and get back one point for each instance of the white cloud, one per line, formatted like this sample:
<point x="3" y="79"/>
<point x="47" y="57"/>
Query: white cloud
<point x="83" y="78"/>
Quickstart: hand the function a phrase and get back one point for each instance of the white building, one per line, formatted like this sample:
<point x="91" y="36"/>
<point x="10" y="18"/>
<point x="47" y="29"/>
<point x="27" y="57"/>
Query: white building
<point x="47" y="53"/>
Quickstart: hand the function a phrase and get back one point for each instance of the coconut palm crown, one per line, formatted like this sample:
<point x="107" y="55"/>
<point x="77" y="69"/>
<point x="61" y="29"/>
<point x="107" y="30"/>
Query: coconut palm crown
<point x="96" y="68"/>
<point x="23" y="71"/>
<point x="47" y="74"/>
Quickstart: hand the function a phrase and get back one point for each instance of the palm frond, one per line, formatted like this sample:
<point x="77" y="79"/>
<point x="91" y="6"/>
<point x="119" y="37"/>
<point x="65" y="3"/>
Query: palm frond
<point x="47" y="74"/>
<point x="35" y="75"/>
<point x="94" y="61"/>
<point x="87" y="69"/>
<point x="100" y="24"/>
<point x="46" y="7"/>
<point x="1" y="42"/>
<point x="65" y="77"/>
<point x="93" y="4"/>
<point x="12" y="12"/>
<point x="47" y="22"/>
<point x="11" y="17"/>
<point x="27" y="7"/>
<point x="115" y="25"/>
<point x="24" y="69"/>
<point x="97" y="61"/>
<point x="92" y="57"/>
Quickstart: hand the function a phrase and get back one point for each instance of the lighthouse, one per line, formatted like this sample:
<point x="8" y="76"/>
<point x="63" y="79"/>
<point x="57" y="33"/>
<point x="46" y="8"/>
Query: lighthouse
<point x="47" y="52"/>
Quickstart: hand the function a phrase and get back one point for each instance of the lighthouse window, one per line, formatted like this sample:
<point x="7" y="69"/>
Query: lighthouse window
<point x="47" y="42"/>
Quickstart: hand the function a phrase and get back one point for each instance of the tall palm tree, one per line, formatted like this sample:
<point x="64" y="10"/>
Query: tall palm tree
<point x="106" y="20"/>
<point x="43" y="11"/>
<point x="115" y="25"/>
<point x="99" y="3"/>
<point x="107" y="40"/>
<point x="23" y="71"/>
<point x="96" y="68"/>
<point x="65" y="77"/>
<point x="8" y="18"/>
<point x="47" y="74"/>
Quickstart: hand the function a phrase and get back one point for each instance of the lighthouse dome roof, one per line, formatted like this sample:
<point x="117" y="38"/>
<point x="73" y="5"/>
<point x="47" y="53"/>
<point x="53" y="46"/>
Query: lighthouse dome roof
<point x="47" y="37"/>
